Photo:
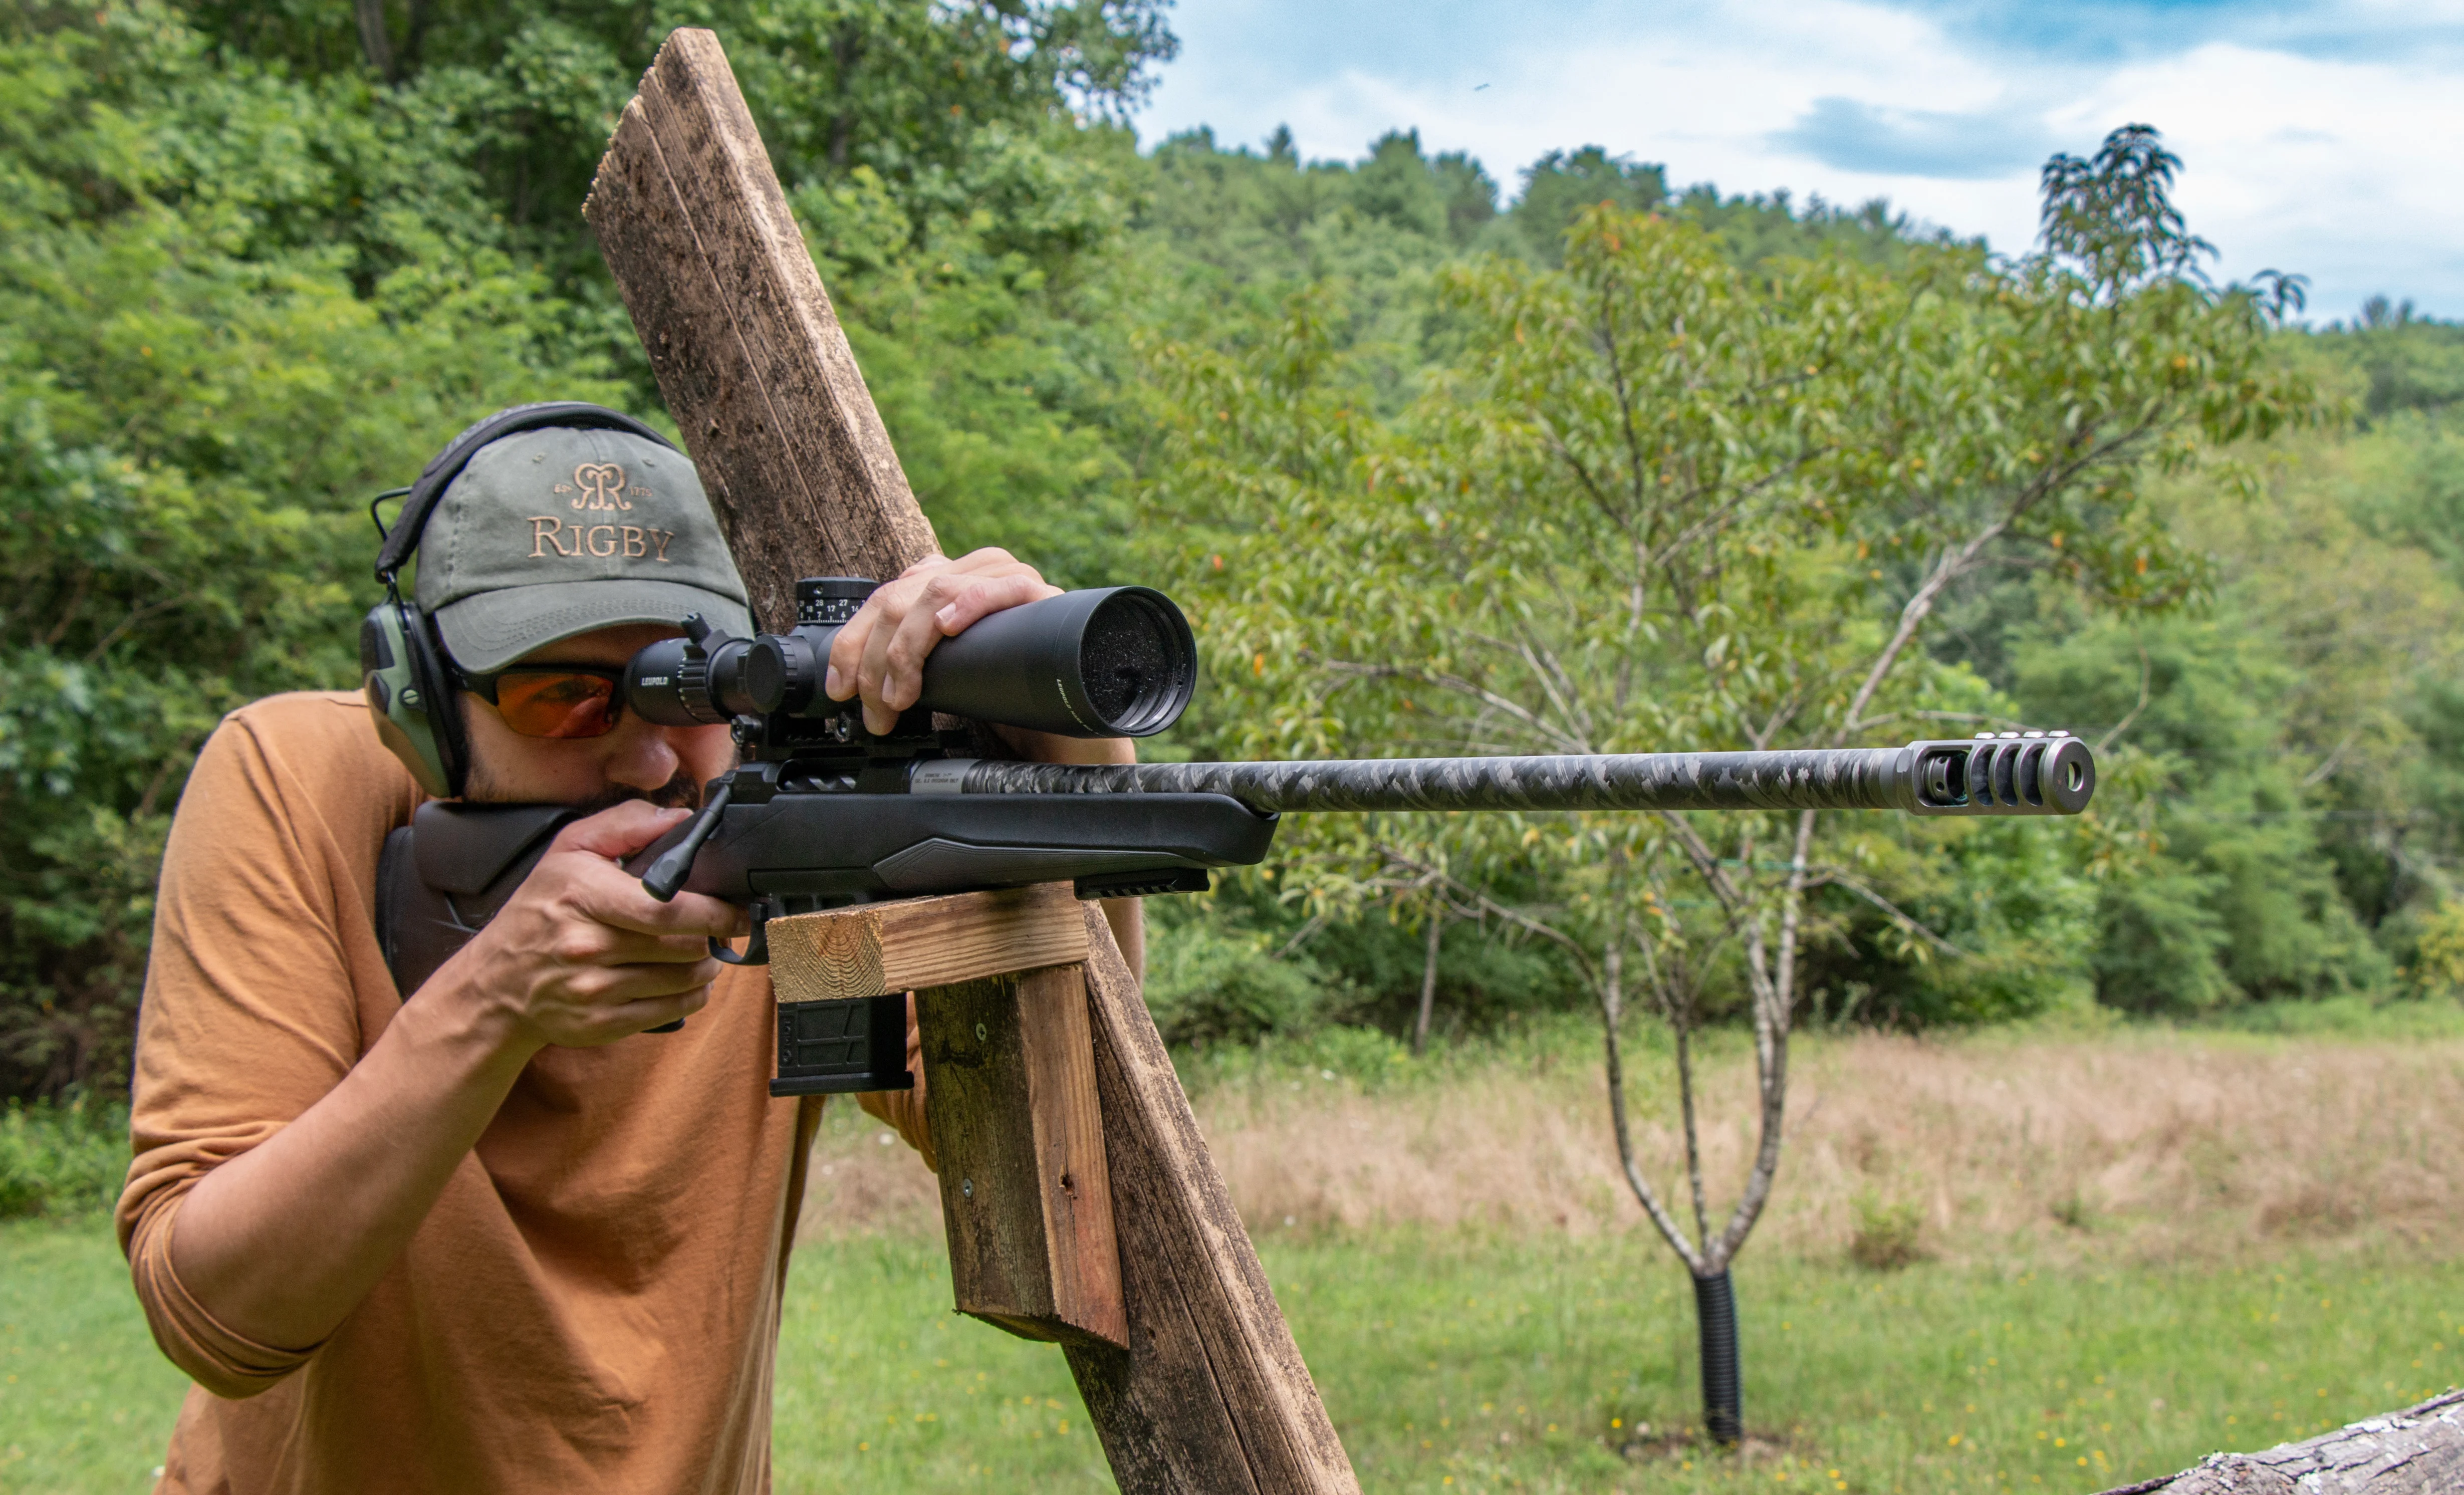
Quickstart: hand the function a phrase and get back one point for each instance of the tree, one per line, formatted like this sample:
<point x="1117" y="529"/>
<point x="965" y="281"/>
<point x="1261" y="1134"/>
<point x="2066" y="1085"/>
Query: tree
<point x="257" y="261"/>
<point x="198" y="391"/>
<point x="1657" y="502"/>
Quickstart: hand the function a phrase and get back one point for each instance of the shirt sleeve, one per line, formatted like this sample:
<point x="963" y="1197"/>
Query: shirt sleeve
<point x="263" y="952"/>
<point x="903" y="1111"/>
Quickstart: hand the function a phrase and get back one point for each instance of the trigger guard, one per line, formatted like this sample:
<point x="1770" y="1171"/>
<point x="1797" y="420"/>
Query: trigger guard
<point x="757" y="949"/>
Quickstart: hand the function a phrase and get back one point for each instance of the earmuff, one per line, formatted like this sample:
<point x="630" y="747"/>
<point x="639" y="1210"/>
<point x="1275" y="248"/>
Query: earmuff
<point x="405" y="671"/>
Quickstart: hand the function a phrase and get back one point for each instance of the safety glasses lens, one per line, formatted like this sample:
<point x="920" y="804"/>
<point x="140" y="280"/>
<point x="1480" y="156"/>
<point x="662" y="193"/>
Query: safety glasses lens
<point x="554" y="705"/>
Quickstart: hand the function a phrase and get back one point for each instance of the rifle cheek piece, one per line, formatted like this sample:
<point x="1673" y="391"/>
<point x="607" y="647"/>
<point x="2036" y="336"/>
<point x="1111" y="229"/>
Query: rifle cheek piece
<point x="2009" y="773"/>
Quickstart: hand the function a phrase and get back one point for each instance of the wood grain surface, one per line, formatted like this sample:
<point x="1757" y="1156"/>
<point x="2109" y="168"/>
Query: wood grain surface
<point x="741" y="336"/>
<point x="1010" y="1095"/>
<point x="2418" y="1451"/>
<point x="1211" y="1393"/>
<point x="876" y="947"/>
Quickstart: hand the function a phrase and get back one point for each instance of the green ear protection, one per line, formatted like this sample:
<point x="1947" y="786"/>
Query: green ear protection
<point x="405" y="671"/>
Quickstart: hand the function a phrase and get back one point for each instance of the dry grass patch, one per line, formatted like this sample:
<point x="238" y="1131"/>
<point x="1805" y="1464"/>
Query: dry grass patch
<point x="2149" y="1143"/>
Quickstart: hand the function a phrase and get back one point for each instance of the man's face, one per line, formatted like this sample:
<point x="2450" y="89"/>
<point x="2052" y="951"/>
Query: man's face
<point x="638" y="760"/>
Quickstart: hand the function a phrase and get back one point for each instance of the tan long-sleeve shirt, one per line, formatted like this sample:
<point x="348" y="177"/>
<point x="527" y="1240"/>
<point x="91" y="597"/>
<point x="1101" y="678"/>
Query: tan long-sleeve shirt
<point x="594" y="1301"/>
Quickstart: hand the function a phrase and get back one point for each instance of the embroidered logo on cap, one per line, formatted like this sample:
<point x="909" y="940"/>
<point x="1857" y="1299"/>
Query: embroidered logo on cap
<point x="602" y="485"/>
<point x="632" y="541"/>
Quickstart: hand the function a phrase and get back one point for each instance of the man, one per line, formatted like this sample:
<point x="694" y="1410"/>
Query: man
<point x="489" y="1235"/>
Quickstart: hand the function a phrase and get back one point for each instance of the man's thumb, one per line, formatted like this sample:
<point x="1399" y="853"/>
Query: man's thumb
<point x="618" y="831"/>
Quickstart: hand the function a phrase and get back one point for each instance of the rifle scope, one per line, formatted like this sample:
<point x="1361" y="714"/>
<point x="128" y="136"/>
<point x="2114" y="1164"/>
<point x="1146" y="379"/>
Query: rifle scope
<point x="1113" y="662"/>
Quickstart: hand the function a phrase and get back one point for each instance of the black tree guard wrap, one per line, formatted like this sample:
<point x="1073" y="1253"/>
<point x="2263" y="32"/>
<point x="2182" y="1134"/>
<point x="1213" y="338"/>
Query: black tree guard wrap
<point x="1715" y="1322"/>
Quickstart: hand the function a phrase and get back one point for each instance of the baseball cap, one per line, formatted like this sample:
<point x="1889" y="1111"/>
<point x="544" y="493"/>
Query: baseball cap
<point x="550" y="532"/>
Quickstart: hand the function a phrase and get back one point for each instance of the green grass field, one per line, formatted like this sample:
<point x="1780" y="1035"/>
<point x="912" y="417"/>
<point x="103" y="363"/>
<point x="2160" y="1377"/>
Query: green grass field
<point x="1465" y="1363"/>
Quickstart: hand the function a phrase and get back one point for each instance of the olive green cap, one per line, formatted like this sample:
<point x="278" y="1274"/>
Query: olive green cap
<point x="551" y="533"/>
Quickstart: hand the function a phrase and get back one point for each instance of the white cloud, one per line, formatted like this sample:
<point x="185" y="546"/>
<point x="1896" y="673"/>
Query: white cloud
<point x="2340" y="165"/>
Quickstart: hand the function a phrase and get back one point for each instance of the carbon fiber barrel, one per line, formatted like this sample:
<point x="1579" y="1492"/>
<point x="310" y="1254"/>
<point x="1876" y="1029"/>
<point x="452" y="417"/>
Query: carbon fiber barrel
<point x="2012" y="774"/>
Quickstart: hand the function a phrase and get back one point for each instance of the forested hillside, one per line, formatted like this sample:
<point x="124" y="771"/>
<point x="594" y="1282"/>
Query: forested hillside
<point x="257" y="261"/>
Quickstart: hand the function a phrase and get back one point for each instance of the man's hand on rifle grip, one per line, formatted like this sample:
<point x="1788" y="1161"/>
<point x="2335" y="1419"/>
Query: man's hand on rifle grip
<point x="582" y="956"/>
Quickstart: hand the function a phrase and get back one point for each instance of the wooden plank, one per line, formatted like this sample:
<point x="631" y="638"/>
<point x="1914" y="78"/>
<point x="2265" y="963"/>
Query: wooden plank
<point x="877" y="948"/>
<point x="747" y="350"/>
<point x="1211" y="1393"/>
<point x="1028" y="1206"/>
<point x="1009" y="1088"/>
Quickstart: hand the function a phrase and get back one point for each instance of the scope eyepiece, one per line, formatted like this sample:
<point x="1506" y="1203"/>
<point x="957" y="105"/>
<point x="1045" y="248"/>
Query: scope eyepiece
<point x="696" y="681"/>
<point x="1116" y="662"/>
<point x="782" y="672"/>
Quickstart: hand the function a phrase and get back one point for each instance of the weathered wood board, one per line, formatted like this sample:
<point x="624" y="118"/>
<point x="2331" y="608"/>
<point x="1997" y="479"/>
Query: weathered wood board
<point x="877" y="948"/>
<point x="1211" y="1393"/>
<point x="748" y="352"/>
<point x="1028" y="1208"/>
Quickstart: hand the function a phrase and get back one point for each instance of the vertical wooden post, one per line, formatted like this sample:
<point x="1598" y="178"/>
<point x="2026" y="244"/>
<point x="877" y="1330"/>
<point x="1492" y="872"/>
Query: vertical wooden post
<point x="1211" y="1393"/>
<point x="997" y="1051"/>
<point x="1001" y="993"/>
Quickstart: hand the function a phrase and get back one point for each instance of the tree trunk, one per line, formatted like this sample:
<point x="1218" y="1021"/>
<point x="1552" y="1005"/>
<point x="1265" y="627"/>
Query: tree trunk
<point x="1715" y="1330"/>
<point x="2419" y="1451"/>
<point x="1428" y="987"/>
<point x="374" y="44"/>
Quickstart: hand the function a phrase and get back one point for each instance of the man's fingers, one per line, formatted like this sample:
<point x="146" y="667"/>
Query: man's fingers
<point x="652" y="1012"/>
<point x="606" y="893"/>
<point x="687" y="914"/>
<point x="618" y="831"/>
<point x="893" y="674"/>
<point x="879" y="656"/>
<point x="607" y="987"/>
<point x="847" y="652"/>
<point x="991" y="595"/>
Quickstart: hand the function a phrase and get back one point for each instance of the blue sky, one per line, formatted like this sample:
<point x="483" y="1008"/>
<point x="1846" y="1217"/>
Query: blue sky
<point x="2326" y="140"/>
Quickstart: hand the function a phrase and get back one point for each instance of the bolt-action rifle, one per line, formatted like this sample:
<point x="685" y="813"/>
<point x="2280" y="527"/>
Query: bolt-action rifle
<point x="820" y="812"/>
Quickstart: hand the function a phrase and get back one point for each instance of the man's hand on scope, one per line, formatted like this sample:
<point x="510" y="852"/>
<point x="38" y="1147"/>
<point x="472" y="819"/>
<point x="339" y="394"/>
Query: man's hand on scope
<point x="880" y="653"/>
<point x="581" y="956"/>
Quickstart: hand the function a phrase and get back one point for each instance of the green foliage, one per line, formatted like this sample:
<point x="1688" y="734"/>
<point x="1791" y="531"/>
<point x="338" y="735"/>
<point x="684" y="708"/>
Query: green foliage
<point x="1885" y="1234"/>
<point x="199" y="385"/>
<point x="2412" y="363"/>
<point x="1212" y="981"/>
<point x="1560" y="186"/>
<point x="2281" y="794"/>
<point x="1655" y="502"/>
<point x="62" y="1159"/>
<point x="2439" y="964"/>
<point x="255" y="266"/>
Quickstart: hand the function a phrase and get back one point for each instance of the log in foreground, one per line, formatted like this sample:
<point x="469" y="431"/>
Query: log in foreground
<point x="1211" y="1393"/>
<point x="2418" y="1451"/>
